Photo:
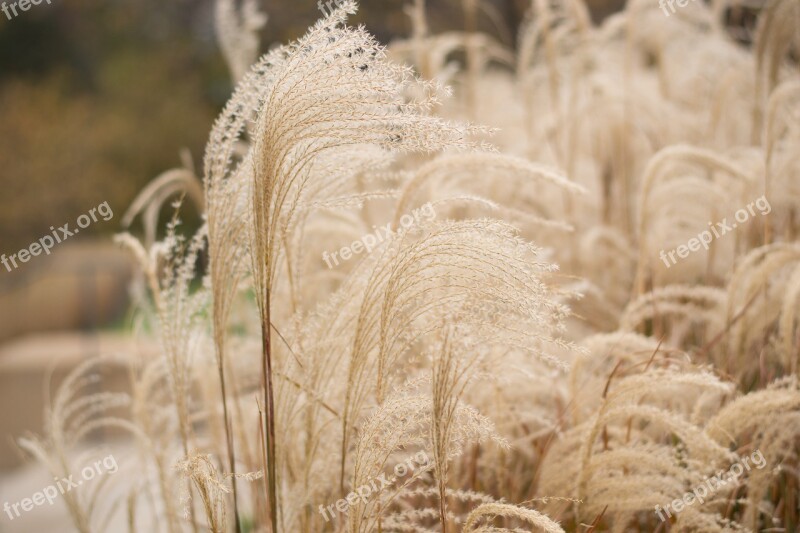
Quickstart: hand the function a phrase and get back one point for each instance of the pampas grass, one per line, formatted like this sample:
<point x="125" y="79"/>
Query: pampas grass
<point x="526" y="339"/>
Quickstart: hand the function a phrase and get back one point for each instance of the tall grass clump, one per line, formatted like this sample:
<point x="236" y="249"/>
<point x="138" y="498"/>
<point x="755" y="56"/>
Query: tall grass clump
<point x="525" y="337"/>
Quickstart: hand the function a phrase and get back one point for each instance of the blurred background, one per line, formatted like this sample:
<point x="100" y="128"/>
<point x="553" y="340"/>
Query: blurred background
<point x="97" y="99"/>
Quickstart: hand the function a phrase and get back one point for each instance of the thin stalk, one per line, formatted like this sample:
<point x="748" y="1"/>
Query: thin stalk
<point x="181" y="410"/>
<point x="185" y="442"/>
<point x="247" y="452"/>
<point x="263" y="442"/>
<point x="269" y="414"/>
<point x="228" y="435"/>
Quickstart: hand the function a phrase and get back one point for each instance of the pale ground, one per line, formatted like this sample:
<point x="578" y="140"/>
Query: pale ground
<point x="24" y="363"/>
<point x="24" y="482"/>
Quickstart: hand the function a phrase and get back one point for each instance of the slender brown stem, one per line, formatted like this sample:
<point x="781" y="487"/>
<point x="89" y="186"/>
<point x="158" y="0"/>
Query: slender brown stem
<point x="269" y="420"/>
<point x="229" y="436"/>
<point x="262" y="440"/>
